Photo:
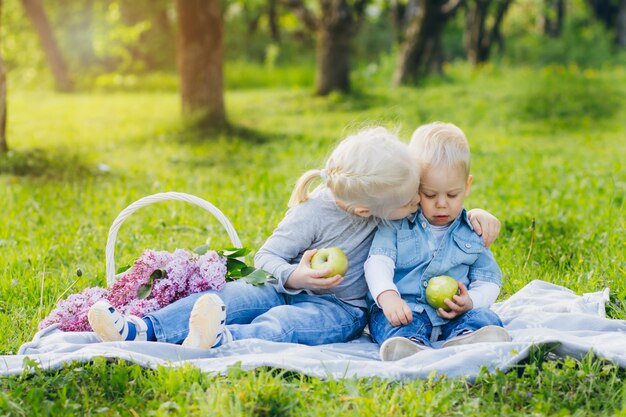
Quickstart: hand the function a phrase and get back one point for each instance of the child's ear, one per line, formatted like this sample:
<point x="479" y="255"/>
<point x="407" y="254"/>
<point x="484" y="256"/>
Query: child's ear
<point x="362" y="212"/>
<point x="467" y="186"/>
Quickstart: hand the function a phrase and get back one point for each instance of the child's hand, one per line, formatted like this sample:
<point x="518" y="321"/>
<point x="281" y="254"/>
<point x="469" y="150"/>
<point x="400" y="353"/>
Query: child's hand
<point x="461" y="303"/>
<point x="396" y="310"/>
<point x="485" y="224"/>
<point x="305" y="277"/>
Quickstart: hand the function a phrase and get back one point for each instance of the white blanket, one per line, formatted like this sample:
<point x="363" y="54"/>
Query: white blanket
<point x="539" y="314"/>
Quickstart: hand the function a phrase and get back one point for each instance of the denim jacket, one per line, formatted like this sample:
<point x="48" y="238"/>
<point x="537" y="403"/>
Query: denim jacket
<point x="410" y="243"/>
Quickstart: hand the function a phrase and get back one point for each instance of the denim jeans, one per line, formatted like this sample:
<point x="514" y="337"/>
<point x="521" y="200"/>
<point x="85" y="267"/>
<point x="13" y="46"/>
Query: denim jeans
<point x="421" y="329"/>
<point x="263" y="313"/>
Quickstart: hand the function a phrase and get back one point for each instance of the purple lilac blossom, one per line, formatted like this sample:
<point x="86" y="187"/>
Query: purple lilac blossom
<point x="71" y="313"/>
<point x="212" y="270"/>
<point x="185" y="274"/>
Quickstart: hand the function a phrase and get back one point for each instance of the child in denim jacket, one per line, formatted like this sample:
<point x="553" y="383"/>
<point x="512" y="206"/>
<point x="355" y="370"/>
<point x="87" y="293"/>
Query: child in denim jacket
<point x="436" y="240"/>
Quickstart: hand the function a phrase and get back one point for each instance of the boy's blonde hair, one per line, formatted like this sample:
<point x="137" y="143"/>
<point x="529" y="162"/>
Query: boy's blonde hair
<point x="372" y="169"/>
<point x="437" y="144"/>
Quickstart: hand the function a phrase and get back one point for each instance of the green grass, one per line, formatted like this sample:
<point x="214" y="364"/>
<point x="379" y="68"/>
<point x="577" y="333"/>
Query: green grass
<point x="547" y="145"/>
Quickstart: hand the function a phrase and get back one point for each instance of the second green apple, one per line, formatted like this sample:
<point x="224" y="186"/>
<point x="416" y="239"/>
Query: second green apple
<point x="439" y="288"/>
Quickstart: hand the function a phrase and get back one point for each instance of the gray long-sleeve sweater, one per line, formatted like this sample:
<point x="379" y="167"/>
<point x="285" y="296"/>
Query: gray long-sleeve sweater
<point x="319" y="223"/>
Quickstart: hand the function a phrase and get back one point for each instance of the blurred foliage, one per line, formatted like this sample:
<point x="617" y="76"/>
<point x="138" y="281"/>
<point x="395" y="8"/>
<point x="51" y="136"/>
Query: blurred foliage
<point x="113" y="45"/>
<point x="584" y="41"/>
<point x="570" y="97"/>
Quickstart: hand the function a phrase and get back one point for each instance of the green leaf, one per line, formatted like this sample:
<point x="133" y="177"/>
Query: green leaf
<point x="157" y="274"/>
<point x="233" y="252"/>
<point x="122" y="273"/>
<point x="257" y="276"/>
<point x="201" y="250"/>
<point x="234" y="267"/>
<point x="123" y="269"/>
<point x="144" y="291"/>
<point x="247" y="270"/>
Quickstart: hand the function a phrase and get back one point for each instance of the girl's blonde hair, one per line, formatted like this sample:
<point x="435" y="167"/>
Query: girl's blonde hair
<point x="438" y="144"/>
<point x="372" y="169"/>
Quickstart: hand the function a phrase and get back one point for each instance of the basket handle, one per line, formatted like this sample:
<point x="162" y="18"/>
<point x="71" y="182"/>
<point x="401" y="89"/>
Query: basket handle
<point x="124" y="214"/>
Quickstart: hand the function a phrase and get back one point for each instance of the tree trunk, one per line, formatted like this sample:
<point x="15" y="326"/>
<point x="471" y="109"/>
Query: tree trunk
<point x="478" y="38"/>
<point x="421" y="43"/>
<point x="334" y="42"/>
<point x="613" y="15"/>
<point x="200" y="60"/>
<point x="621" y="25"/>
<point x="37" y="14"/>
<point x="335" y="29"/>
<point x="605" y="11"/>
<point x="553" y="18"/>
<point x="272" y="17"/>
<point x="475" y="19"/>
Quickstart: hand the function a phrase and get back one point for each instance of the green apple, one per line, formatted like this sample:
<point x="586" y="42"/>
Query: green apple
<point x="439" y="288"/>
<point x="330" y="258"/>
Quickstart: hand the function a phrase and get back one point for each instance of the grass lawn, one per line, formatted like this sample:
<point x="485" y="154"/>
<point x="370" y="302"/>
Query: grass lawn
<point x="548" y="146"/>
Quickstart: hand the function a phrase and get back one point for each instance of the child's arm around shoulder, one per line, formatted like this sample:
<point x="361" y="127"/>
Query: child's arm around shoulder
<point x="485" y="225"/>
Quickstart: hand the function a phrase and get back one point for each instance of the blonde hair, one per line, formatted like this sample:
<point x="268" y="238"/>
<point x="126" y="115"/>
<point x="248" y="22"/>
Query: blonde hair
<point x="371" y="169"/>
<point x="441" y="144"/>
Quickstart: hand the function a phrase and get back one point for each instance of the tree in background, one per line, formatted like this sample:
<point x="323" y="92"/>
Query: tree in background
<point x="154" y="45"/>
<point x="272" y="18"/>
<point x="421" y="46"/>
<point x="553" y="16"/>
<point x="621" y="24"/>
<point x="200" y="60"/>
<point x="613" y="14"/>
<point x="335" y="28"/>
<point x="37" y="14"/>
<point x="483" y="20"/>
<point x="3" y="100"/>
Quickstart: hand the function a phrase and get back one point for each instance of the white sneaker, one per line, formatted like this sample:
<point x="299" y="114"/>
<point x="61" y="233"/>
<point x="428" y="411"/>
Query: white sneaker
<point x="396" y="348"/>
<point x="207" y="322"/>
<point x="484" y="334"/>
<point x="110" y="326"/>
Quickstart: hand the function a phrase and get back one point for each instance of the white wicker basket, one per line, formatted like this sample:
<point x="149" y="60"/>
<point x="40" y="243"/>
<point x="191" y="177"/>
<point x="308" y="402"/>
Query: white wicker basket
<point x="124" y="214"/>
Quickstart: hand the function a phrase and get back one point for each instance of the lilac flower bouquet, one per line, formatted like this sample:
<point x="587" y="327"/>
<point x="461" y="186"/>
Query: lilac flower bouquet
<point x="156" y="279"/>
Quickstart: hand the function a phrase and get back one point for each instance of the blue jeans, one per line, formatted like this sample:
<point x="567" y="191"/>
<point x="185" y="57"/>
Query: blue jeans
<point x="263" y="313"/>
<point x="421" y="329"/>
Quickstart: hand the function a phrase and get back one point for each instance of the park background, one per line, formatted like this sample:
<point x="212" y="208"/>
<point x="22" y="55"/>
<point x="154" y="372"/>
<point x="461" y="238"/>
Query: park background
<point x="105" y="102"/>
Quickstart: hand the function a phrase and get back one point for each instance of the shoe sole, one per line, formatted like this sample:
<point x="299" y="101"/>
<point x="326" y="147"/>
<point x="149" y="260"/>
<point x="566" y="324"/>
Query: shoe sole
<point x="102" y="323"/>
<point x="487" y="334"/>
<point x="397" y="348"/>
<point x="206" y="322"/>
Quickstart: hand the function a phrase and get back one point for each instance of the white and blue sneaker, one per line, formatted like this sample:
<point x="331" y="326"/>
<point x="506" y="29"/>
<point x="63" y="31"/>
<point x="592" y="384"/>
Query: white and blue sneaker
<point x="207" y="323"/>
<point x="396" y="348"/>
<point x="487" y="334"/>
<point x="110" y="326"/>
